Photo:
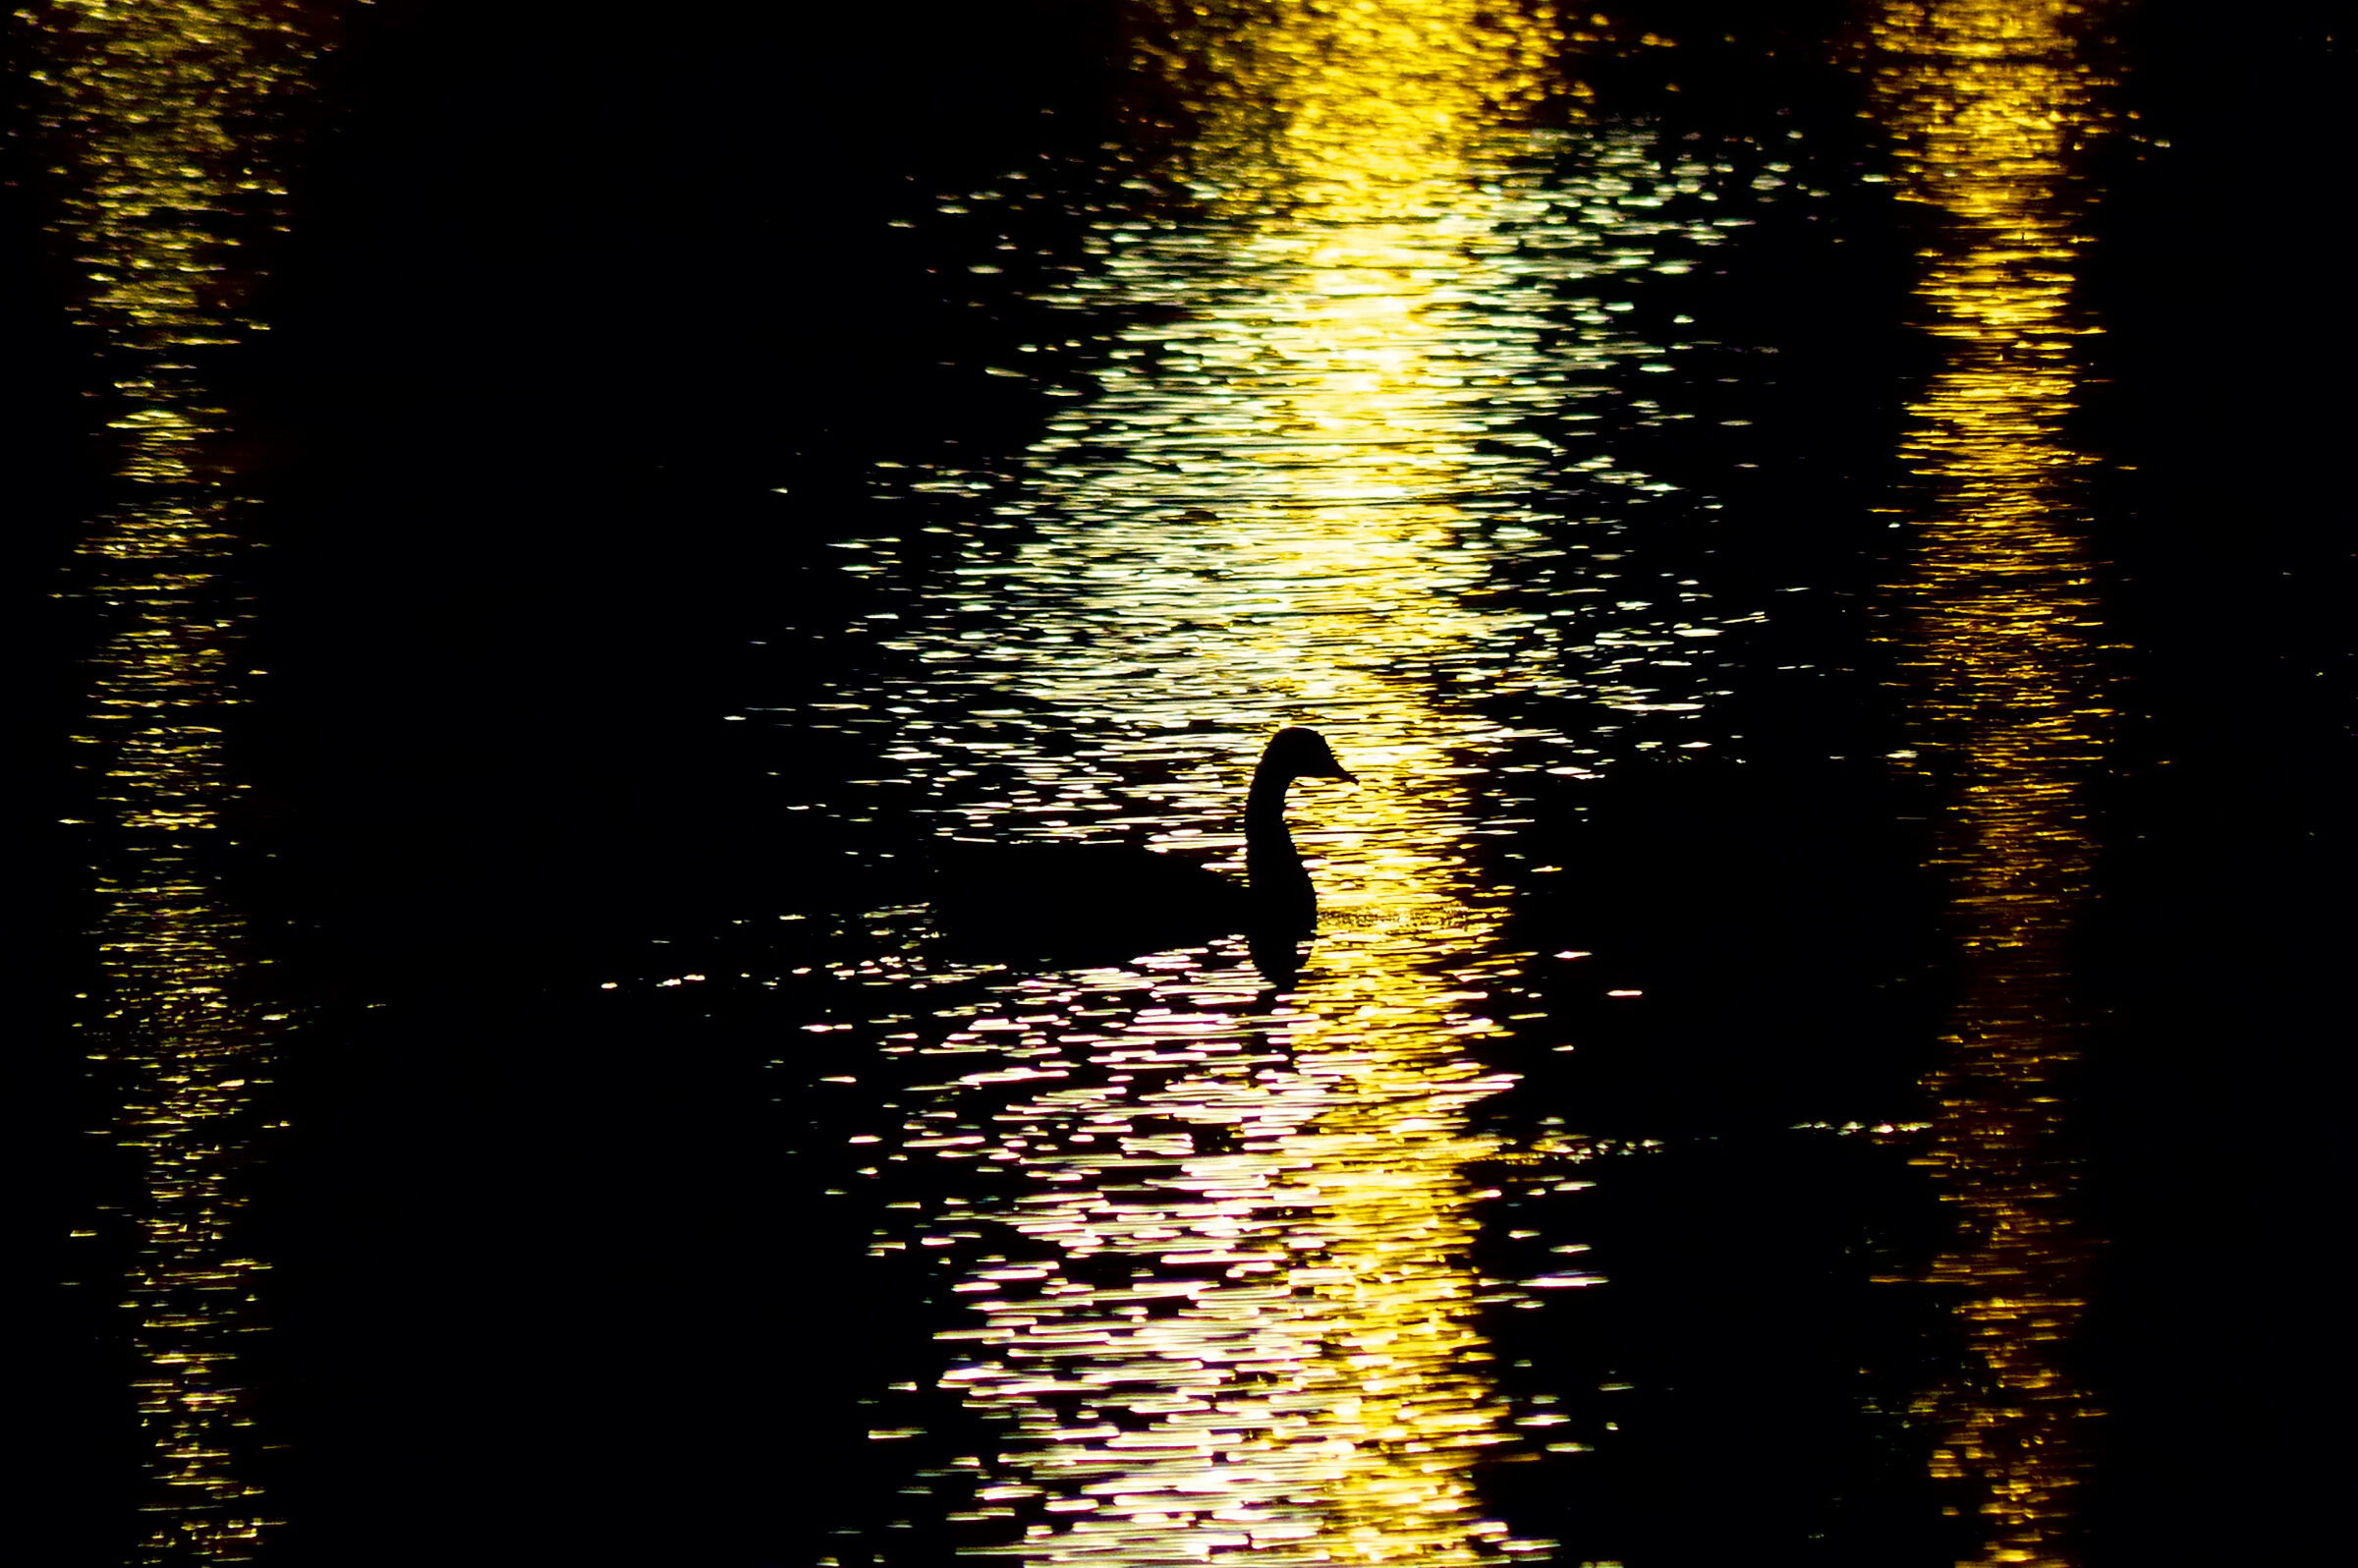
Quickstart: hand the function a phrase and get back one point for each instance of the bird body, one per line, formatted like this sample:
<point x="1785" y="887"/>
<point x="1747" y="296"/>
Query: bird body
<point x="1085" y="901"/>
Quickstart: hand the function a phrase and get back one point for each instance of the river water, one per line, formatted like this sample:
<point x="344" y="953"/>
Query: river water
<point x="1703" y="1118"/>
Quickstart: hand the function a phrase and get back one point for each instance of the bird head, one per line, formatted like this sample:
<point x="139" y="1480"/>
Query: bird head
<point x="1299" y="752"/>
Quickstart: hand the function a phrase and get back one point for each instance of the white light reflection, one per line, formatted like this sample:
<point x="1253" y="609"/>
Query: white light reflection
<point x="1218" y="1241"/>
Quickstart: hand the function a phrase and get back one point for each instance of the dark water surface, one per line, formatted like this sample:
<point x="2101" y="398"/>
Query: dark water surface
<point x="1809" y="524"/>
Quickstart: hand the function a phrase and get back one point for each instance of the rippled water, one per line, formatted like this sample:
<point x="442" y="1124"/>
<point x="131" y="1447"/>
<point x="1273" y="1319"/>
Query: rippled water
<point x="1987" y="102"/>
<point x="1347" y="396"/>
<point x="166" y="115"/>
<point x="1339" y="451"/>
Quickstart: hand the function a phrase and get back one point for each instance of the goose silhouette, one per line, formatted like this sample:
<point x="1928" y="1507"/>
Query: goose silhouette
<point x="1079" y="902"/>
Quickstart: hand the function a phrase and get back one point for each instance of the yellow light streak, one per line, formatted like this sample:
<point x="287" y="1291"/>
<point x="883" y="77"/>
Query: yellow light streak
<point x="162" y="108"/>
<point x="1293" y="1368"/>
<point x="1985" y="99"/>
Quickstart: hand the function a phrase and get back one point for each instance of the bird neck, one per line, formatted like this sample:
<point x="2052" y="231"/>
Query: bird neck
<point x="1264" y="809"/>
<point x="1283" y="899"/>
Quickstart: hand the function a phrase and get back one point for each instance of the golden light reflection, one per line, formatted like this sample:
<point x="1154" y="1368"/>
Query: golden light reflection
<point x="1319" y="1397"/>
<point x="161" y="112"/>
<point x="1986" y="99"/>
<point x="1339" y="112"/>
<point x="1238" y="1313"/>
<point x="1218" y="1234"/>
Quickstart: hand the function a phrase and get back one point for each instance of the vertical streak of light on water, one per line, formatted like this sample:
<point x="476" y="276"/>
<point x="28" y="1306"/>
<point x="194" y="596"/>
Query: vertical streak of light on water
<point x="1245" y="1317"/>
<point x="1213" y="1232"/>
<point x="161" y="112"/>
<point x="1987" y="100"/>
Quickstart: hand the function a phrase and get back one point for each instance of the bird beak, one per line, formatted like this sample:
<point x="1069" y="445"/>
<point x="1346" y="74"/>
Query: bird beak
<point x="1343" y="774"/>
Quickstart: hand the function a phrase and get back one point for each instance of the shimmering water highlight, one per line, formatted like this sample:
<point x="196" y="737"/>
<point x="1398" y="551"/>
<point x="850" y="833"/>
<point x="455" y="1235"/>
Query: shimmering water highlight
<point x="1987" y="100"/>
<point x="165" y="113"/>
<point x="1217" y="1235"/>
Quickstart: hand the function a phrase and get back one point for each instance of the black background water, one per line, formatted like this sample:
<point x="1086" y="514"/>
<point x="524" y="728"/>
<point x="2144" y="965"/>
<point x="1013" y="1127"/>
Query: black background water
<point x="563" y="308"/>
